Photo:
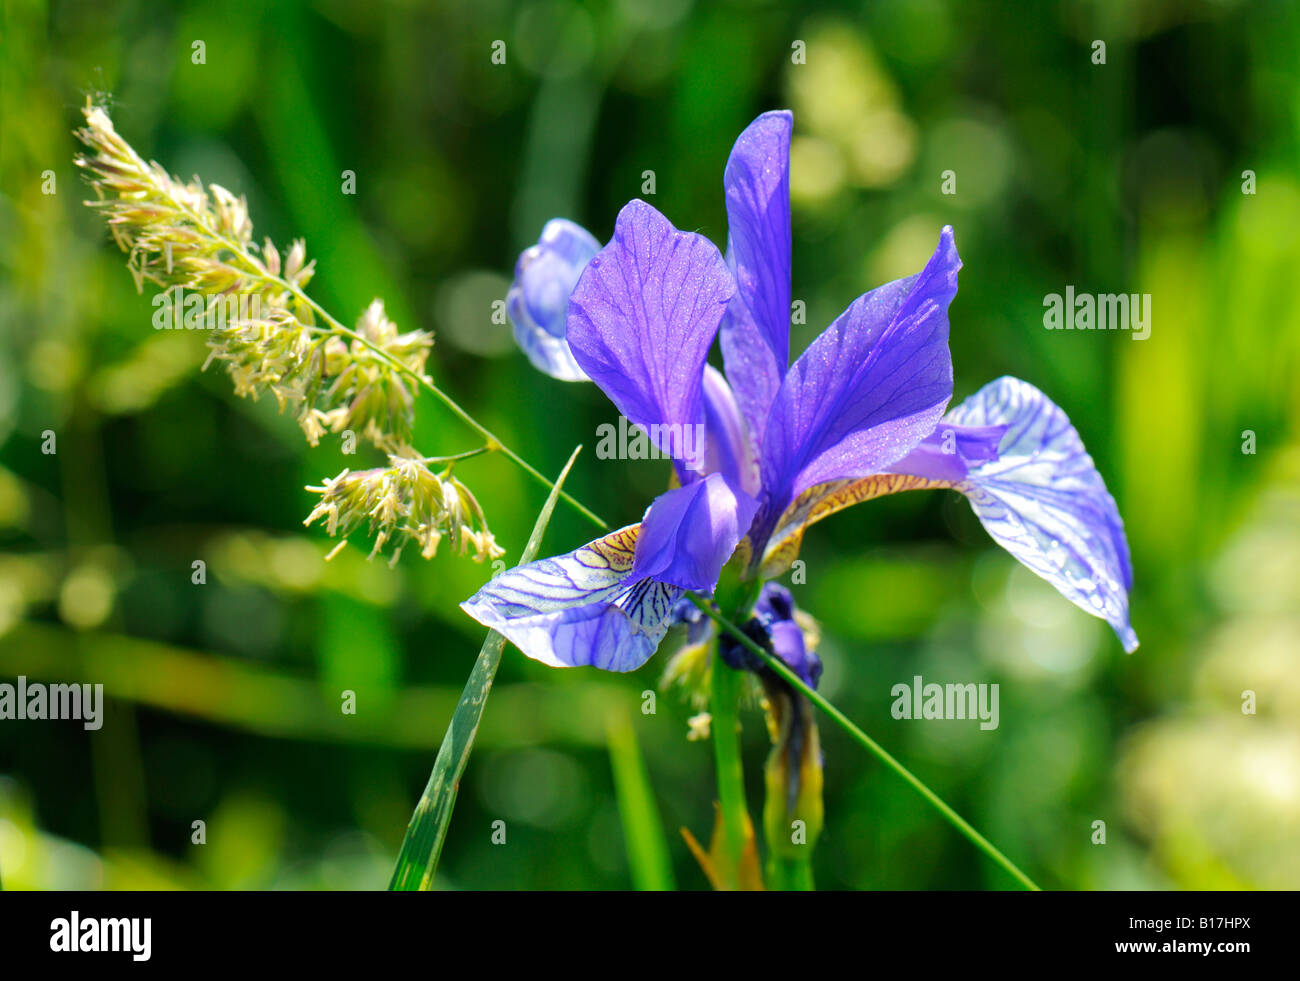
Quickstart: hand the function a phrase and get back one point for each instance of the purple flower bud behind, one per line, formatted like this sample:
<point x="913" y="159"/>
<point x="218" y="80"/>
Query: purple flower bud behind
<point x="538" y="300"/>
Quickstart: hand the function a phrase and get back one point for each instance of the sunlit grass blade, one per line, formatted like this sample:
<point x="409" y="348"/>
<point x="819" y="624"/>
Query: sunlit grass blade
<point x="643" y="832"/>
<point x="427" y="831"/>
<point x="860" y="737"/>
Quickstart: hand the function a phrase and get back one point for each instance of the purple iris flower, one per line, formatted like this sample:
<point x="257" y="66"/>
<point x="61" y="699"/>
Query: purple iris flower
<point x="859" y="414"/>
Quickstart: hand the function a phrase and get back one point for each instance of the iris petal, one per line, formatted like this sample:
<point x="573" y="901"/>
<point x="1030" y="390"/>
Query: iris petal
<point x="642" y="318"/>
<point x="728" y="449"/>
<point x="538" y="299"/>
<point x="821" y="502"/>
<point x="1043" y="500"/>
<point x="1016" y="457"/>
<point x="865" y="392"/>
<point x="948" y="453"/>
<point x="579" y="609"/>
<point x="689" y="533"/>
<point x="756" y="331"/>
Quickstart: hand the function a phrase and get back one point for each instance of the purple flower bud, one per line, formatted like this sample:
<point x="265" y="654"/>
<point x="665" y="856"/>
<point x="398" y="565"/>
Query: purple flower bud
<point x="538" y="300"/>
<point x="774" y="628"/>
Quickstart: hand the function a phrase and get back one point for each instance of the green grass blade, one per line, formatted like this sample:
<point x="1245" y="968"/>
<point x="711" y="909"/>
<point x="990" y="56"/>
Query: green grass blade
<point x="427" y="831"/>
<point x="643" y="832"/>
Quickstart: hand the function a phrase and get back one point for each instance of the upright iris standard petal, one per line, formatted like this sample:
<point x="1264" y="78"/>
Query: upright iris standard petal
<point x="642" y="319"/>
<point x="689" y="533"/>
<point x="728" y="450"/>
<point x="582" y="608"/>
<point x="538" y="299"/>
<point x="866" y="391"/>
<point x="756" y="331"/>
<point x="1043" y="500"/>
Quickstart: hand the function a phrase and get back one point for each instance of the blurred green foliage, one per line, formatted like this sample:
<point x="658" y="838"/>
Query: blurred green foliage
<point x="224" y="697"/>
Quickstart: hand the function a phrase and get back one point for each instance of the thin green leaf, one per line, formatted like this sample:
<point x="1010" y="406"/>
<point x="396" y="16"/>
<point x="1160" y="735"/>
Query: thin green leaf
<point x="422" y="846"/>
<point x="643" y="833"/>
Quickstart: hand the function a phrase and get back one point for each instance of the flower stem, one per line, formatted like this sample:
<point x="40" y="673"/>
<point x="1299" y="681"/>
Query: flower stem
<point x="456" y="457"/>
<point x="724" y="701"/>
<point x="860" y="737"/>
<point x="790" y="874"/>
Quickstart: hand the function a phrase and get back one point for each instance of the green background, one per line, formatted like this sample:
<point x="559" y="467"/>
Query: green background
<point x="224" y="698"/>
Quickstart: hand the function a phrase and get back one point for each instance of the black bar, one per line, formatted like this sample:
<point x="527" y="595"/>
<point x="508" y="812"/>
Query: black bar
<point x="335" y="930"/>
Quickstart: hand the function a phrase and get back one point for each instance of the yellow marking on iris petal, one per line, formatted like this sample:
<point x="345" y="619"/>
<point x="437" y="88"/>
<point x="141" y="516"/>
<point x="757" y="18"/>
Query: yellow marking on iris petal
<point x="743" y="554"/>
<point x="824" y="500"/>
<point x="618" y="548"/>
